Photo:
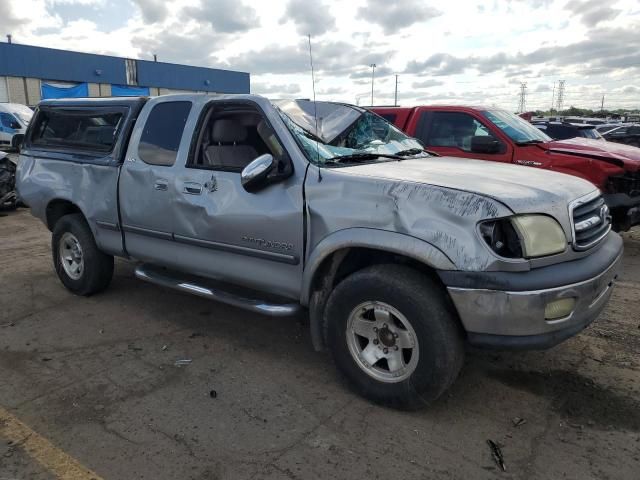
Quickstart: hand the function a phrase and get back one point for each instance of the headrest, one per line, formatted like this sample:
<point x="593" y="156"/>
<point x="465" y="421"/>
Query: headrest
<point x="226" y="130"/>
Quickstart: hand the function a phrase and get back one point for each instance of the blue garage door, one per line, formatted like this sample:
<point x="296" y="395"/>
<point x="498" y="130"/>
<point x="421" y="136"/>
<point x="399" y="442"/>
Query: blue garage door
<point x="49" y="90"/>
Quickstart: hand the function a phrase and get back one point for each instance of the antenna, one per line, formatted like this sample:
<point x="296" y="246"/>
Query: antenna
<point x="315" y="108"/>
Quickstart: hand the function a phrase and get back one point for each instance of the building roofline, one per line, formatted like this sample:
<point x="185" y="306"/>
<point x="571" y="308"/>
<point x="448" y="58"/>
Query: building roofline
<point x="24" y="45"/>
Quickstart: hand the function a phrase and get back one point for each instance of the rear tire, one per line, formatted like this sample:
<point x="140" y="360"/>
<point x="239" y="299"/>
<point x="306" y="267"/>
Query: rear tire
<point x="407" y="308"/>
<point x="80" y="265"/>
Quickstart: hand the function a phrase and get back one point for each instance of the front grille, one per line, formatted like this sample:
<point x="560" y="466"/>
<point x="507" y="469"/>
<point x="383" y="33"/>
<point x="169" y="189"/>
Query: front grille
<point x="628" y="183"/>
<point x="591" y="221"/>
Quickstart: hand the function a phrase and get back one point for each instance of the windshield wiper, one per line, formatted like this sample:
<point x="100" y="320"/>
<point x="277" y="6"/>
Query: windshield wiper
<point x="357" y="157"/>
<point x="529" y="142"/>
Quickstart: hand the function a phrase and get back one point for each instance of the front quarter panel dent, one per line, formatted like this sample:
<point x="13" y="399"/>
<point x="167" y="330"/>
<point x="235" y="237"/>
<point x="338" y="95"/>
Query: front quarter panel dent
<point x="445" y="219"/>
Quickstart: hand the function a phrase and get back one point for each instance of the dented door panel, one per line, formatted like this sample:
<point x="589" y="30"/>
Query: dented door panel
<point x="253" y="239"/>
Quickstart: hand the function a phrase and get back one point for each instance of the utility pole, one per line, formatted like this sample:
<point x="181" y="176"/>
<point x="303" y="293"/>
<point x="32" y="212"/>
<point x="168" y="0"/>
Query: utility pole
<point x="560" y="96"/>
<point x="395" y="97"/>
<point x="373" y="74"/>
<point x="523" y="97"/>
<point x="155" y="57"/>
<point x="553" y="97"/>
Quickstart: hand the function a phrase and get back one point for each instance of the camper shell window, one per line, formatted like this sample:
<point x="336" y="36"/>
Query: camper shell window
<point x="93" y="130"/>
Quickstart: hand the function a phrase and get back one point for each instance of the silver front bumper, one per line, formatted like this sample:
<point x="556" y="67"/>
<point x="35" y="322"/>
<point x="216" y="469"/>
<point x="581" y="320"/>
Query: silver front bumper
<point x="522" y="314"/>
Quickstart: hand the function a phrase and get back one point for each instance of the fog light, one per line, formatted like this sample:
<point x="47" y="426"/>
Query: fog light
<point x="559" y="308"/>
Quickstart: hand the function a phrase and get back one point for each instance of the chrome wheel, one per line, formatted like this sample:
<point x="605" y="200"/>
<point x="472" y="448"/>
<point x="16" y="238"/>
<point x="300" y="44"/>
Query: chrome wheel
<point x="382" y="342"/>
<point x="70" y="253"/>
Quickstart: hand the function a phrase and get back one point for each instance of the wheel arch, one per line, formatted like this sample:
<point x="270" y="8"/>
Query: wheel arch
<point x="347" y="251"/>
<point x="58" y="208"/>
<point x="380" y="241"/>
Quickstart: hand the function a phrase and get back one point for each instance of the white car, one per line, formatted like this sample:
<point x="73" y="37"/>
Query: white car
<point x="14" y="119"/>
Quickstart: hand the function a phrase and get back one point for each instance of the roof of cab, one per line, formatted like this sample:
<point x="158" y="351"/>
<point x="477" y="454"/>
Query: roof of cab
<point x="93" y="101"/>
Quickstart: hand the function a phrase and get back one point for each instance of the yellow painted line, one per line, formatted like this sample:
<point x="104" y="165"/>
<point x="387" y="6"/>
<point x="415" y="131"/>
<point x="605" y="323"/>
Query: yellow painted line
<point x="60" y="464"/>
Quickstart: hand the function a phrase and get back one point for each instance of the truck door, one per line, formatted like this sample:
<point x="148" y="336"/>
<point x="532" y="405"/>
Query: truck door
<point x="147" y="189"/>
<point x="225" y="232"/>
<point x="183" y="205"/>
<point x="451" y="133"/>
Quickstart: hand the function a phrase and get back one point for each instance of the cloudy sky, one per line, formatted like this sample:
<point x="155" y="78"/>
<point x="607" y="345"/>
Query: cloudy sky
<point x="443" y="51"/>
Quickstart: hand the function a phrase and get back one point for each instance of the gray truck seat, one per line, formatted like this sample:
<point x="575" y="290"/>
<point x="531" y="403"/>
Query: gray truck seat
<point x="225" y="148"/>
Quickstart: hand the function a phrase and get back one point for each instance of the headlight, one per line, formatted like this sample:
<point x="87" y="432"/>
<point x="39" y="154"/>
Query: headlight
<point x="501" y="237"/>
<point x="540" y="235"/>
<point x="524" y="236"/>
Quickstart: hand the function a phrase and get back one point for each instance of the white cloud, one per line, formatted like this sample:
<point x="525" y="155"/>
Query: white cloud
<point x="311" y="18"/>
<point x="443" y="50"/>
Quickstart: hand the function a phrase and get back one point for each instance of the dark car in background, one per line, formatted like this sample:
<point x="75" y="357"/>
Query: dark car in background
<point x="627" y="134"/>
<point x="567" y="130"/>
<point x="607" y="127"/>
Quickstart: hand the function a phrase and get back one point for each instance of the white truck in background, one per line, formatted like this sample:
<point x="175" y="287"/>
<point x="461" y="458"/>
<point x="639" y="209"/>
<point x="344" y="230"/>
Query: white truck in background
<point x="14" y="120"/>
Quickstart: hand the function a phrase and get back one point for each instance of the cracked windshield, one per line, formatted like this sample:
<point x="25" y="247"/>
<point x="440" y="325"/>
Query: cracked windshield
<point x="333" y="133"/>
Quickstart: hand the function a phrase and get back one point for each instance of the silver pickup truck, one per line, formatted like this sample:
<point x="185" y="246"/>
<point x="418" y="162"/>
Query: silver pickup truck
<point x="398" y="256"/>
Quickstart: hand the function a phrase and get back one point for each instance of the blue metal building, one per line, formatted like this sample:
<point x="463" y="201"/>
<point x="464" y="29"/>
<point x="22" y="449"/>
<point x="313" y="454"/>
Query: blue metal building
<point x="29" y="74"/>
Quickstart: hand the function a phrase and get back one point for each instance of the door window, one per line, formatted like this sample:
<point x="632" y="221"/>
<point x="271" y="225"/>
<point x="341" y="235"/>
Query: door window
<point x="455" y="129"/>
<point x="234" y="136"/>
<point x="8" y="120"/>
<point x="561" y="132"/>
<point x="162" y="133"/>
<point x="389" y="117"/>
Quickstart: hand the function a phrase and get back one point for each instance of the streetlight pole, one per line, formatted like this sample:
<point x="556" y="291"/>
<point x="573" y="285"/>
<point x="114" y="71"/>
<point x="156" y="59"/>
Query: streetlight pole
<point x="395" y="97"/>
<point x="373" y="74"/>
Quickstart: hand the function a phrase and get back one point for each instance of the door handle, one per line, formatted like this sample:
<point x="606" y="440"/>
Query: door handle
<point x="192" y="188"/>
<point x="161" y="184"/>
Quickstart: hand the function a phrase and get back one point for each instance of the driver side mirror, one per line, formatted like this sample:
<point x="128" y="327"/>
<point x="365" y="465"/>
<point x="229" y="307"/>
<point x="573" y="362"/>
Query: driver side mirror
<point x="484" y="144"/>
<point x="15" y="126"/>
<point x="255" y="175"/>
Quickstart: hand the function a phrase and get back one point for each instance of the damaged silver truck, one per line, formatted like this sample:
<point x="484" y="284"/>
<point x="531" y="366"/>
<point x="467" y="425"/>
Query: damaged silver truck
<point x="399" y="257"/>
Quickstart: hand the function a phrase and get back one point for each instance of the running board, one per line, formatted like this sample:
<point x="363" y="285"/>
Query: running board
<point x="206" y="288"/>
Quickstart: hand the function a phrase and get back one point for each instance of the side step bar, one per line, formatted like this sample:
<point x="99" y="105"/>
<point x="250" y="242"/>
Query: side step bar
<point x="203" y="287"/>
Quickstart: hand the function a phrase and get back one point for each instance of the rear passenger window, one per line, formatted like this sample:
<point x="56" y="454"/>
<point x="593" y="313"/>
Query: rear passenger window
<point x="162" y="133"/>
<point x="88" y="130"/>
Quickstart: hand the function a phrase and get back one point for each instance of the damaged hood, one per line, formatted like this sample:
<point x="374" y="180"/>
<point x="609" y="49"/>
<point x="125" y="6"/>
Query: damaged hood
<point x="616" y="153"/>
<point x="522" y="189"/>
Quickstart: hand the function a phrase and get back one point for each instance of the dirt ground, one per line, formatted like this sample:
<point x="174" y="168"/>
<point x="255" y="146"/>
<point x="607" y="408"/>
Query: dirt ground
<point x="94" y="381"/>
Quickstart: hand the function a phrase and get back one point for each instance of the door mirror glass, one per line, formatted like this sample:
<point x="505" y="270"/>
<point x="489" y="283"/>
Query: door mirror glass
<point x="254" y="176"/>
<point x="484" y="144"/>
<point x="15" y="125"/>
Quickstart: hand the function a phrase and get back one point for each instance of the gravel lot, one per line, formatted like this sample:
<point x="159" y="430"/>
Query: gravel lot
<point x="96" y="378"/>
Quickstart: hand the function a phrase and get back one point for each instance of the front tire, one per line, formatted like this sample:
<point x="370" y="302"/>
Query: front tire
<point x="80" y="265"/>
<point x="394" y="336"/>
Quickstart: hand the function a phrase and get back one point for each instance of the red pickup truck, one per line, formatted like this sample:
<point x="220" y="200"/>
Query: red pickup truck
<point x="488" y="133"/>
